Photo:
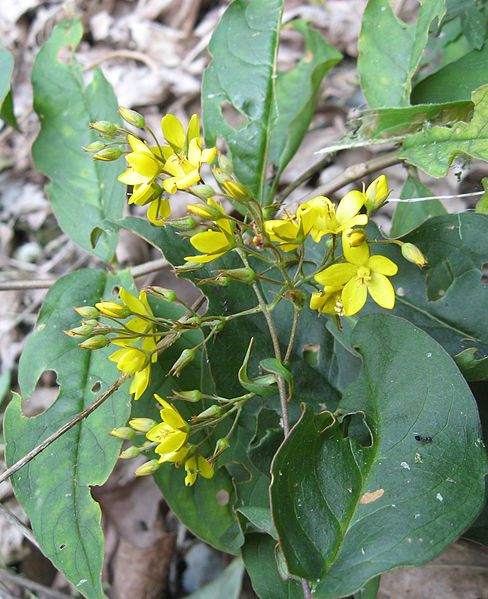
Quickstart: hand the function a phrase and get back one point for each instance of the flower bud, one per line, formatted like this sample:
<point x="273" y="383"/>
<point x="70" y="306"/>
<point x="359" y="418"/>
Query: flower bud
<point x="123" y="432"/>
<point x="412" y="253"/>
<point x="187" y="356"/>
<point x="211" y="412"/>
<point x="148" y="468"/>
<point x="225" y="164"/>
<point x="376" y="193"/>
<point x="143" y="425"/>
<point x="113" y="309"/>
<point x="95" y="146"/>
<point x="241" y="275"/>
<point x="205" y="211"/>
<point x="87" y="311"/>
<point x="96" y="342"/>
<point x="236" y="190"/>
<point x="219" y="281"/>
<point x="107" y="154"/>
<point x="220" y="176"/>
<point x="185" y="223"/>
<point x="106" y="127"/>
<point x="132" y="117"/>
<point x="355" y="237"/>
<point x="91" y="322"/>
<point x="192" y="396"/>
<point x="166" y="295"/>
<point x="188" y="267"/>
<point x="84" y="331"/>
<point x="129" y="453"/>
<point x="202" y="191"/>
<point x="221" y="445"/>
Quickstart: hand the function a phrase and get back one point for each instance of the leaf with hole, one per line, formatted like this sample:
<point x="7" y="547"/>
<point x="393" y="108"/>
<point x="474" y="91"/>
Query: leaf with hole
<point x="346" y="511"/>
<point x="82" y="191"/>
<point x="54" y="488"/>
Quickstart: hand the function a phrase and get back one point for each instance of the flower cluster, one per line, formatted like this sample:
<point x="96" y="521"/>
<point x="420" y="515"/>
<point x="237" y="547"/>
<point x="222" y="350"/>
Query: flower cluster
<point x="155" y="172"/>
<point x="131" y="326"/>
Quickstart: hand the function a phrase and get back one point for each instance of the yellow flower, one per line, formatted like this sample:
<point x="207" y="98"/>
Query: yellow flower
<point x="197" y="465"/>
<point x="172" y="433"/>
<point x="360" y="275"/>
<point x="158" y="211"/>
<point x="321" y="215"/>
<point x="112" y="309"/>
<point x="130" y="360"/>
<point x="185" y="155"/>
<point x="213" y="244"/>
<point x="376" y="193"/>
<point x="327" y="301"/>
<point x="144" y="165"/>
<point x="140" y="382"/>
<point x="287" y="232"/>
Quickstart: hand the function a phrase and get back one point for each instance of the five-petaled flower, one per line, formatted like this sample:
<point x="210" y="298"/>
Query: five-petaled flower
<point x="213" y="244"/>
<point x="171" y="434"/>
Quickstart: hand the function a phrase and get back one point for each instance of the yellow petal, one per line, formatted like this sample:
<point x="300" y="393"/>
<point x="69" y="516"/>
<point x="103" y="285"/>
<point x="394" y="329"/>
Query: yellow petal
<point x="356" y="255"/>
<point x="336" y="275"/>
<point x="204" y="258"/>
<point x="195" y="151"/>
<point x="159" y="210"/>
<point x="381" y="290"/>
<point x="142" y="194"/>
<point x="353" y="297"/>
<point x="188" y="180"/>
<point x="130" y="177"/>
<point x="382" y="265"/>
<point x="174" y="456"/>
<point x="173" y="132"/>
<point x="170" y="185"/>
<point x="210" y="242"/>
<point x="349" y="206"/>
<point x="204" y="468"/>
<point x="208" y="155"/>
<point x="172" y="418"/>
<point x="191" y="471"/>
<point x="140" y="382"/>
<point x="137" y="145"/>
<point x="193" y="128"/>
<point x="132" y="302"/>
<point x="144" y="164"/>
<point x="173" y="441"/>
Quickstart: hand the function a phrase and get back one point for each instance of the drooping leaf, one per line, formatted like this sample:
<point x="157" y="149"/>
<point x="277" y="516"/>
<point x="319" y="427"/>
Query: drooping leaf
<point x="346" y="511"/>
<point x="275" y="109"/>
<point x="456" y="81"/>
<point x="6" y="101"/>
<point x="447" y="298"/>
<point x="433" y="150"/>
<point x="82" y="191"/>
<point x="54" y="488"/>
<point x="226" y="586"/>
<point x="407" y="215"/>
<point x="259" y="558"/>
<point x="386" y="69"/>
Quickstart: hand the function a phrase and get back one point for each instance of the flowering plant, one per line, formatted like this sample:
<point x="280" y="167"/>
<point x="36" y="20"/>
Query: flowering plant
<point x="312" y="403"/>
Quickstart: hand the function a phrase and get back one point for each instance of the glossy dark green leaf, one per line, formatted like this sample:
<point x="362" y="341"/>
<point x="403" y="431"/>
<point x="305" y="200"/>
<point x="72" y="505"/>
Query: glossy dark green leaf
<point x="408" y="216"/>
<point x="258" y="554"/>
<point x="6" y="101"/>
<point x="82" y="191"/>
<point x="54" y="488"/>
<point x="456" y="81"/>
<point x="386" y="69"/>
<point x="345" y="511"/>
<point x="272" y="110"/>
<point x="447" y="298"/>
<point x="434" y="149"/>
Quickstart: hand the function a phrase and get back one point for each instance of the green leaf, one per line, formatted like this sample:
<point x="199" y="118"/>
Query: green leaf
<point x="82" y="191"/>
<point x="369" y="590"/>
<point x="447" y="298"/>
<point x="474" y="23"/>
<point x="54" y="488"/>
<point x="258" y="554"/>
<point x="455" y="81"/>
<point x="226" y="586"/>
<point x="385" y="68"/>
<point x="434" y="149"/>
<point x="482" y="204"/>
<point x="408" y="216"/>
<point x="345" y="511"/>
<point x="275" y="109"/>
<point x="6" y="101"/>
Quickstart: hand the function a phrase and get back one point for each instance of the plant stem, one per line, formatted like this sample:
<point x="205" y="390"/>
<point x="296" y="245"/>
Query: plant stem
<point x="12" y="518"/>
<point x="65" y="428"/>
<point x="356" y="171"/>
<point x="308" y="174"/>
<point x="307" y="594"/>
<point x="296" y="314"/>
<point x="25" y="583"/>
